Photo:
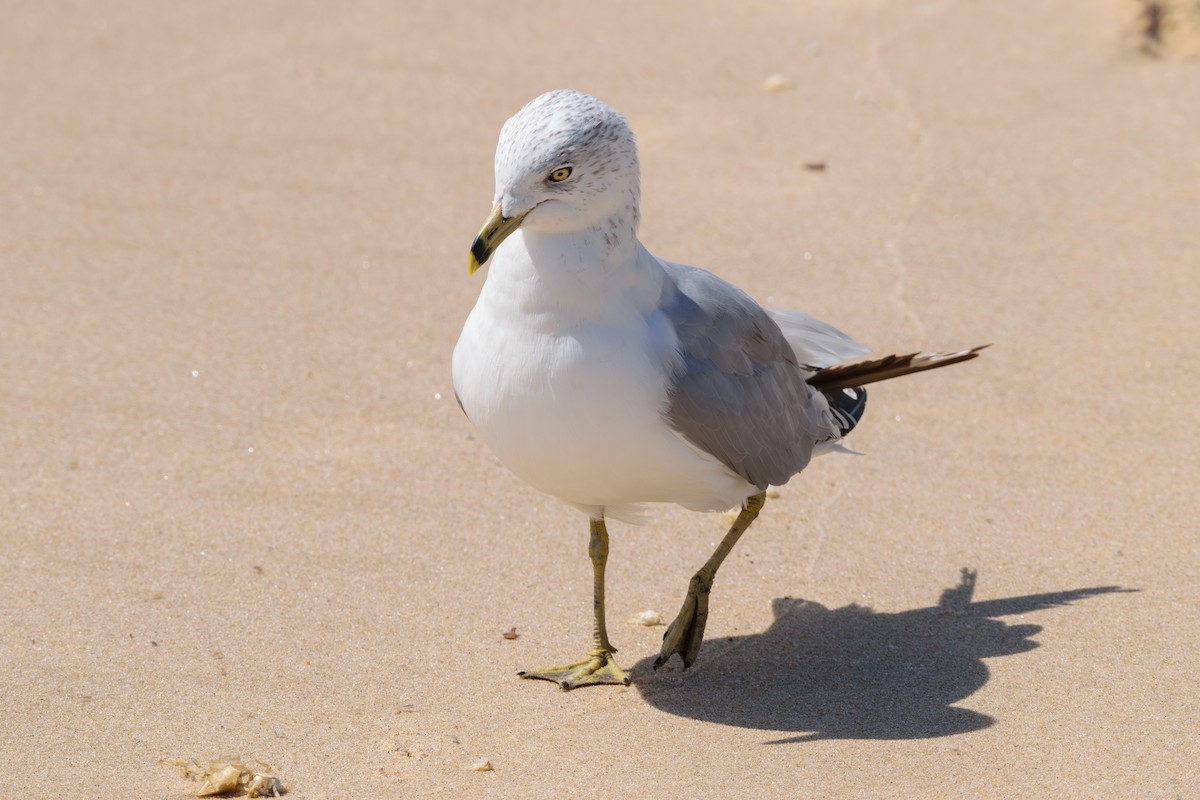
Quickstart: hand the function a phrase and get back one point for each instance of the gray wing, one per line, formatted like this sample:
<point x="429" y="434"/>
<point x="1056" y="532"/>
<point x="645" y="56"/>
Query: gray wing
<point x="816" y="343"/>
<point x="739" y="392"/>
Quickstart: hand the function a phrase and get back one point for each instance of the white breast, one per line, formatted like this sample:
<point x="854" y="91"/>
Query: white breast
<point x="574" y="405"/>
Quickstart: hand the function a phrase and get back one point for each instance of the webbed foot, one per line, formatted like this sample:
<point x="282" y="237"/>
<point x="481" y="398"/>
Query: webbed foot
<point x="597" y="669"/>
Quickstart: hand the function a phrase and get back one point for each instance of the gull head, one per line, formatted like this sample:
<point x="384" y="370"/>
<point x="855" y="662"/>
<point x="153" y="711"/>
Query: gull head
<point x="565" y="162"/>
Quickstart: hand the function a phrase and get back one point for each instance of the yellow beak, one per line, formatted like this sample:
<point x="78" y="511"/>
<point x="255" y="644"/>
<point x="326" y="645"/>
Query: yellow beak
<point x="495" y="230"/>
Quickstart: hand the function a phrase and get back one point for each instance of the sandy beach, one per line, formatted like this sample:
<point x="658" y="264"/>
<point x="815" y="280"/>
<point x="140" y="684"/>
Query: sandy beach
<point x="242" y="514"/>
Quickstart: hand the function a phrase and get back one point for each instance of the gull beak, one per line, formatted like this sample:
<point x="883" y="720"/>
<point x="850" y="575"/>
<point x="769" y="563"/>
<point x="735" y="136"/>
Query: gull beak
<point x="495" y="230"/>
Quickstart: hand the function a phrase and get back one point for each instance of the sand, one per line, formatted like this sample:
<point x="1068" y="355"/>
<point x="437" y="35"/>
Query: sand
<point x="243" y="515"/>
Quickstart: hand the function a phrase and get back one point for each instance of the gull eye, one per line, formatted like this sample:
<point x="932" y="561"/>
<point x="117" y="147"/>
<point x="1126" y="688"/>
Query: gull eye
<point x="559" y="175"/>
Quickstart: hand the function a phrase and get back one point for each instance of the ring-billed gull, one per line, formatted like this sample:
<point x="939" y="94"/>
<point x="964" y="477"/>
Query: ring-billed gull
<point x="609" y="378"/>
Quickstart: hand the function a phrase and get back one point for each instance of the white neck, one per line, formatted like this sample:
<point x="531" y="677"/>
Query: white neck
<point x="585" y="275"/>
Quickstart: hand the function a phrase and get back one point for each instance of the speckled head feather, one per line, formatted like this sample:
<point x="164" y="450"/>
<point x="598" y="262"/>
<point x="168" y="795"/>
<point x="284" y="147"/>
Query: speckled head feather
<point x="566" y="128"/>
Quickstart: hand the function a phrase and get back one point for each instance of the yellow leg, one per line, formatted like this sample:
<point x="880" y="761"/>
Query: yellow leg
<point x="686" y="633"/>
<point x="599" y="666"/>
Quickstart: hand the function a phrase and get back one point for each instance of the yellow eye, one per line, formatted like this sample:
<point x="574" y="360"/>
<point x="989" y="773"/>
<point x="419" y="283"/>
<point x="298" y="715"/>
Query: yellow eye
<point x="559" y="175"/>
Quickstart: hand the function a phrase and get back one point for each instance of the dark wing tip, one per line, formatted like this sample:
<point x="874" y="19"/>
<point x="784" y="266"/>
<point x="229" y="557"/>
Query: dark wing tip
<point x="848" y="376"/>
<point x="847" y="407"/>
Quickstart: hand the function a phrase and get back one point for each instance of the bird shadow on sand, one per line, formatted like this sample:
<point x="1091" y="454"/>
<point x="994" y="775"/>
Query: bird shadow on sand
<point x="854" y="673"/>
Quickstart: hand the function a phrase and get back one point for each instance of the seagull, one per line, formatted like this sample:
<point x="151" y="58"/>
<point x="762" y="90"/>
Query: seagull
<point x="611" y="379"/>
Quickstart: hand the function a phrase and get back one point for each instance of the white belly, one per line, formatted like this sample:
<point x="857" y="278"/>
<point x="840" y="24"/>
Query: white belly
<point x="579" y="414"/>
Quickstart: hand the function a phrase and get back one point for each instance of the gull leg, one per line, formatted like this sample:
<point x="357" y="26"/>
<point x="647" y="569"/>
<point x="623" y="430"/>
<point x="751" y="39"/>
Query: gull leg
<point x="686" y="633"/>
<point x="599" y="666"/>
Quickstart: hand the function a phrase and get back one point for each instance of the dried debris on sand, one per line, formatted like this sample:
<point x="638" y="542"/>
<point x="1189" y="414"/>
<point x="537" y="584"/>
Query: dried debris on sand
<point x="232" y="778"/>
<point x="1166" y="28"/>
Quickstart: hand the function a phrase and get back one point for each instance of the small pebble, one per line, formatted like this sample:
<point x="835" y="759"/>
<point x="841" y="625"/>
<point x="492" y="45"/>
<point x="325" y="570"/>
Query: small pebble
<point x="483" y="765"/>
<point x="647" y="618"/>
<point x="776" y="83"/>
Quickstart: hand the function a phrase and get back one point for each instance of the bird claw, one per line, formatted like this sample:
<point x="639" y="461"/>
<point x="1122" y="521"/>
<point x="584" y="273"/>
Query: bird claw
<point x="685" y="635"/>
